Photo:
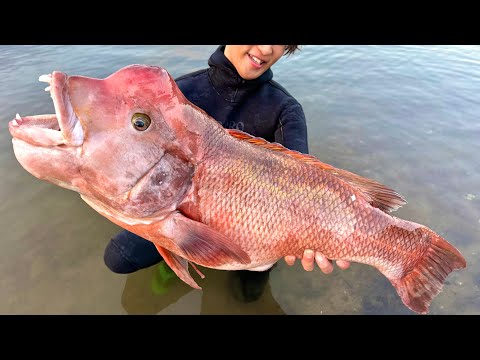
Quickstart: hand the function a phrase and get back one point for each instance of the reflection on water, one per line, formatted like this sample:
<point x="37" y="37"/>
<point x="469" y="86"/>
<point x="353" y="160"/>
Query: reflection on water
<point x="407" y="116"/>
<point x="216" y="297"/>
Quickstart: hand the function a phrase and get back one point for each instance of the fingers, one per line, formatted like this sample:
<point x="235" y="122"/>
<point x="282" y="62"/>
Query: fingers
<point x="290" y="260"/>
<point x="323" y="263"/>
<point x="307" y="260"/>
<point x="342" y="264"/>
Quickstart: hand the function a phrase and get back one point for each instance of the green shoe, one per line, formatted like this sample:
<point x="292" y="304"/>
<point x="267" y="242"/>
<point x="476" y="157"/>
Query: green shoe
<point x="162" y="278"/>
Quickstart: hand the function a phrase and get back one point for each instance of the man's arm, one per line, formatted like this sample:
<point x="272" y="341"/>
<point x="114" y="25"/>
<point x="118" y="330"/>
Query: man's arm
<point x="292" y="128"/>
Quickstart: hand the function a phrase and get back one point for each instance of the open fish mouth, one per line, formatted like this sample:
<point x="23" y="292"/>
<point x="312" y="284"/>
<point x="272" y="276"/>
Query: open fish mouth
<point x="61" y="128"/>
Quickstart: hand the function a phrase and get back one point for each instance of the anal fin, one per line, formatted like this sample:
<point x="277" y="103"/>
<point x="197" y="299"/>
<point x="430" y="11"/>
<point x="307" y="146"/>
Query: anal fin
<point x="178" y="265"/>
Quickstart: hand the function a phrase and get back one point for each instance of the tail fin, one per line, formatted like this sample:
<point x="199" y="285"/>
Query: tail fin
<point x="425" y="281"/>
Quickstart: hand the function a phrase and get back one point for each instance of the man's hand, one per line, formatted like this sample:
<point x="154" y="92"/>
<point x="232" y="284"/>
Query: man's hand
<point x="323" y="263"/>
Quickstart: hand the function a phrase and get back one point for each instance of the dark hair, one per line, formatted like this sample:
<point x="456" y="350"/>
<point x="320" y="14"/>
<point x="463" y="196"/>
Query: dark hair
<point x="290" y="49"/>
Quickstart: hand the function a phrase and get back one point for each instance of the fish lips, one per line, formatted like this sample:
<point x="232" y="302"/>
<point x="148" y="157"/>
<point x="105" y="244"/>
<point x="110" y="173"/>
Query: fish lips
<point x="62" y="128"/>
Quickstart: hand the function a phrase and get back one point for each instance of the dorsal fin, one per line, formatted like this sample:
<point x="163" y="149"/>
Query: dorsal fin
<point x="376" y="194"/>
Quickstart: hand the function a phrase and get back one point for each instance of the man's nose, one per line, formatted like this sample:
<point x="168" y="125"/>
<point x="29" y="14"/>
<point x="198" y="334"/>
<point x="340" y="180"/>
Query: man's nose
<point x="266" y="49"/>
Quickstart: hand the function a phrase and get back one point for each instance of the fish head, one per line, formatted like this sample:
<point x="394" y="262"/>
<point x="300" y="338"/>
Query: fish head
<point x="120" y="141"/>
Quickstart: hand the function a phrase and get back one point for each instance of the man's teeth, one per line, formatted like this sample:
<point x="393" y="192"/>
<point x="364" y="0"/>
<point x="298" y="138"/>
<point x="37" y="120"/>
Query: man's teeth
<point x="257" y="60"/>
<point x="45" y="78"/>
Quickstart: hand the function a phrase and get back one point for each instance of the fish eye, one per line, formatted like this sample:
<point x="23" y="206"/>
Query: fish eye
<point x="141" y="122"/>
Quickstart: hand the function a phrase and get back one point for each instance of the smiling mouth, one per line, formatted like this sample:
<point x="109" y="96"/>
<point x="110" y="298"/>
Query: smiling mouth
<point x="256" y="60"/>
<point x="61" y="128"/>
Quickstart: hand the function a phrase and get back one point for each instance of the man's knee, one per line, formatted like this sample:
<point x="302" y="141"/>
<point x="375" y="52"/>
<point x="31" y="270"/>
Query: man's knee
<point x="127" y="252"/>
<point x="116" y="260"/>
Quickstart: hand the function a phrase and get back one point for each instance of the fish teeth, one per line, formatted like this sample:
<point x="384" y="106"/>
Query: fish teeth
<point x="48" y="88"/>
<point x="14" y="121"/>
<point x="45" y="78"/>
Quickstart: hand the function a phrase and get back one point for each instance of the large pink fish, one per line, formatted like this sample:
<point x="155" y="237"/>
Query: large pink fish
<point x="146" y="158"/>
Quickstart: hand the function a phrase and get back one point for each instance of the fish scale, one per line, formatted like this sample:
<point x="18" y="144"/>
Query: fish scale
<point x="251" y="217"/>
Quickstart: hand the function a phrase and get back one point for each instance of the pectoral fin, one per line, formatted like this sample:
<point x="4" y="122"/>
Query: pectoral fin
<point x="178" y="265"/>
<point x="202" y="244"/>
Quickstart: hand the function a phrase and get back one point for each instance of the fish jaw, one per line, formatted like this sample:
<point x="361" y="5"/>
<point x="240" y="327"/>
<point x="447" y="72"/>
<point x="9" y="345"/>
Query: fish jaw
<point x="54" y="164"/>
<point x="61" y="128"/>
<point x="48" y="146"/>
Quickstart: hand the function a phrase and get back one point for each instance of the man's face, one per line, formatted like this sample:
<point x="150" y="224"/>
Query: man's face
<point x="251" y="61"/>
